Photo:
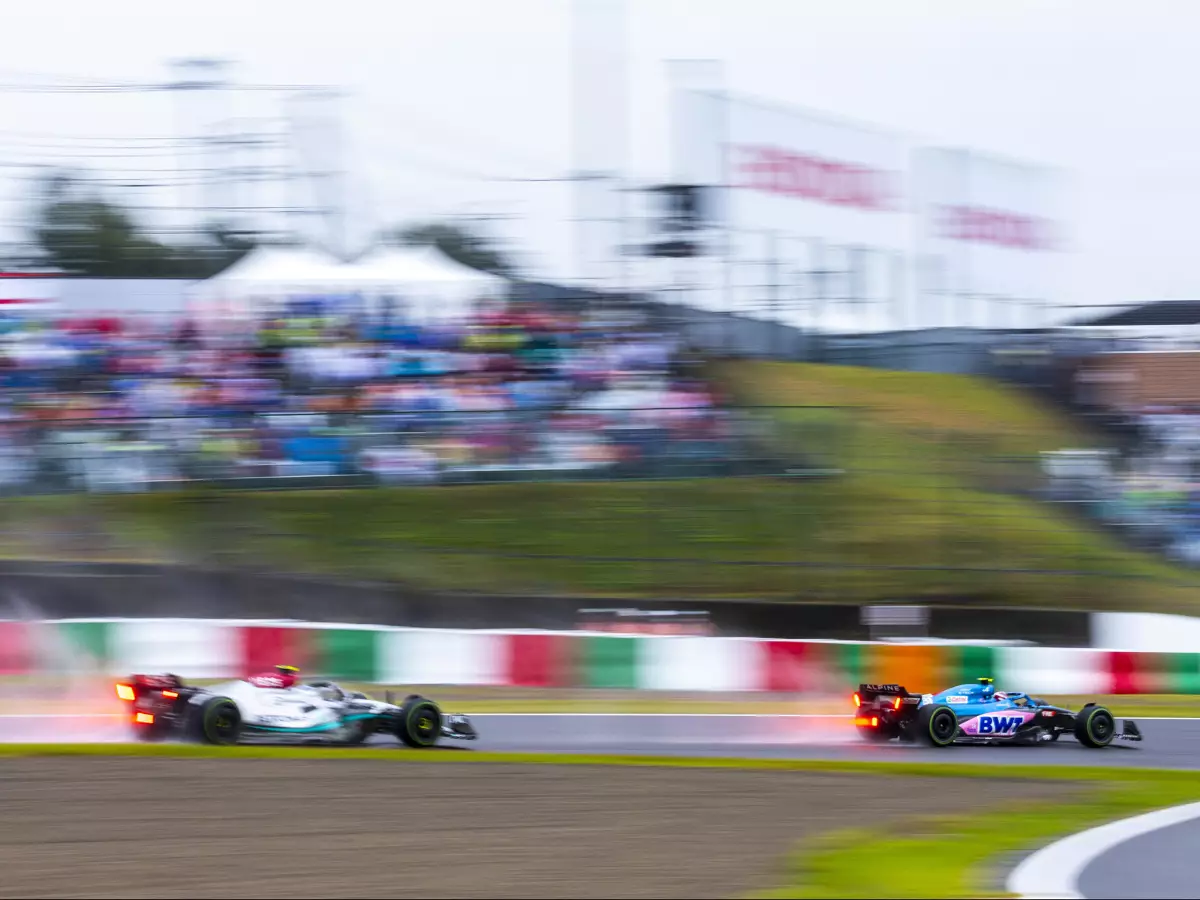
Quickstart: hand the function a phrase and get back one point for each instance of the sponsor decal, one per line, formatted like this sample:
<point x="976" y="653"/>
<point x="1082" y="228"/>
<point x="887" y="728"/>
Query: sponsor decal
<point x="787" y="173"/>
<point x="957" y="699"/>
<point x="990" y="226"/>
<point x="996" y="724"/>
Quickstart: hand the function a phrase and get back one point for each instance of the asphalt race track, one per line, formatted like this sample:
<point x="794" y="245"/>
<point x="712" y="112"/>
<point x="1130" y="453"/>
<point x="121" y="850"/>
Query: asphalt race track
<point x="1169" y="743"/>
<point x="1122" y="872"/>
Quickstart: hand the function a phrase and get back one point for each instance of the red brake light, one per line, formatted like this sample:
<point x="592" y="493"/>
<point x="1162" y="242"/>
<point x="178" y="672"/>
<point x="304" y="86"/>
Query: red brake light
<point x="144" y="718"/>
<point x="125" y="692"/>
<point x="897" y="702"/>
<point x="862" y="720"/>
<point x="857" y="700"/>
<point x="874" y="722"/>
<point x="171" y="695"/>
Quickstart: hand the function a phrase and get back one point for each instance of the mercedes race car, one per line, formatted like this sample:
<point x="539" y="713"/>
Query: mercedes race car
<point x="274" y="708"/>
<point x="979" y="714"/>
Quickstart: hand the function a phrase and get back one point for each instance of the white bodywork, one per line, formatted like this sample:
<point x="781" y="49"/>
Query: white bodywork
<point x="300" y="710"/>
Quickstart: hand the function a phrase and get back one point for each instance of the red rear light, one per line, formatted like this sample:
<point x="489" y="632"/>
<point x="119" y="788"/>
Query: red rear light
<point x="125" y="692"/>
<point x="857" y="700"/>
<point x="144" y="719"/>
<point x="897" y="702"/>
<point x="170" y="695"/>
<point x="863" y="720"/>
<point x="874" y="722"/>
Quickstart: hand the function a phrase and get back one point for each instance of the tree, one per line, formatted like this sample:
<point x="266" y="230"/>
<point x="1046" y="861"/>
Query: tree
<point x="80" y="232"/>
<point x="459" y="243"/>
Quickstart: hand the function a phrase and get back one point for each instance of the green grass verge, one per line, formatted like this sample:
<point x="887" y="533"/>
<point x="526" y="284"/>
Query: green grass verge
<point x="966" y="848"/>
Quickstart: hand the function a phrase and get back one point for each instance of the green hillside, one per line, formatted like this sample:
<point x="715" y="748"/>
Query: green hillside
<point x="923" y="509"/>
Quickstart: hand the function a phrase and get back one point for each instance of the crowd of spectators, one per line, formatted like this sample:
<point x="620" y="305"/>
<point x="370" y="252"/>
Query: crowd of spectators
<point x="1150" y="489"/>
<point x="123" y="403"/>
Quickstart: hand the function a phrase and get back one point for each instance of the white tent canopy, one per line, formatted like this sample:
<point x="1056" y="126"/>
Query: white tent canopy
<point x="276" y="270"/>
<point x="425" y="282"/>
<point x="428" y="284"/>
<point x="264" y="275"/>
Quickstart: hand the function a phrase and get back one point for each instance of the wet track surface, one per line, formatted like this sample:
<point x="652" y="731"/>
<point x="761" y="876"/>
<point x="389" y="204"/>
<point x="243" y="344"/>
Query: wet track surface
<point x="1122" y="872"/>
<point x="1169" y="743"/>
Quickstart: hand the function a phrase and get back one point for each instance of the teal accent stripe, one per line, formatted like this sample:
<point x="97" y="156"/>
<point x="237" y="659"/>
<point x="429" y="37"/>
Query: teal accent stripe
<point x="310" y="729"/>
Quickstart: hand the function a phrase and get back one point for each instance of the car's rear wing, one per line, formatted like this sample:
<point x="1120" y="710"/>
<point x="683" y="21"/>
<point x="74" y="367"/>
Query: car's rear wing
<point x="871" y="691"/>
<point x="137" y="686"/>
<point x="892" y="696"/>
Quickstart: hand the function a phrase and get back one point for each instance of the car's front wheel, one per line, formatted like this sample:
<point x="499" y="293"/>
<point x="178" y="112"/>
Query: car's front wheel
<point x="1095" y="727"/>
<point x="419" y="723"/>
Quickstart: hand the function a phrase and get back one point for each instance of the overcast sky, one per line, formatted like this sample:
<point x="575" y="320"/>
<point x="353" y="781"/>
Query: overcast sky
<point x="1100" y="89"/>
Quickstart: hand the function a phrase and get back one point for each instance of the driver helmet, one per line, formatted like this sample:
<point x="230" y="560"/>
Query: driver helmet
<point x="288" y="671"/>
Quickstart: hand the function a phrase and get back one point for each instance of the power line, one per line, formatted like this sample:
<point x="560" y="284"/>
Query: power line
<point x="147" y="88"/>
<point x="73" y="138"/>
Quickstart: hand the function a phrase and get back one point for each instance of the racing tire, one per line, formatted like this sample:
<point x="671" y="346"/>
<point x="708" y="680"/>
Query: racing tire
<point x="217" y="721"/>
<point x="1095" y="727"/>
<point x="879" y="735"/>
<point x="420" y="722"/>
<point x="937" y="726"/>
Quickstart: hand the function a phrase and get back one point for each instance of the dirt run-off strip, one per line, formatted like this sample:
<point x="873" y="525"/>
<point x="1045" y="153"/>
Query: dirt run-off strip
<point x="110" y="827"/>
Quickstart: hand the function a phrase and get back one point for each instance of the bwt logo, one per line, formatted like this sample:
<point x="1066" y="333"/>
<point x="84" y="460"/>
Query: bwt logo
<point x="989" y="226"/>
<point x="790" y="174"/>
<point x="999" y="724"/>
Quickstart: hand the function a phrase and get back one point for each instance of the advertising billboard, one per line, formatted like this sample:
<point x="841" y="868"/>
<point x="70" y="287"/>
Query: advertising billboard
<point x="807" y="212"/>
<point x="839" y="226"/>
<point x="990" y="235"/>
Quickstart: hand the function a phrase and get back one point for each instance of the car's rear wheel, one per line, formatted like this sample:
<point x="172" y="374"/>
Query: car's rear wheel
<point x="218" y="721"/>
<point x="1095" y="727"/>
<point x="420" y="722"/>
<point x="937" y="726"/>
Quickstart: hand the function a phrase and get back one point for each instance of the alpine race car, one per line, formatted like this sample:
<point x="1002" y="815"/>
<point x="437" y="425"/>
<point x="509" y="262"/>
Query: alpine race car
<point x="262" y="709"/>
<point x="979" y="714"/>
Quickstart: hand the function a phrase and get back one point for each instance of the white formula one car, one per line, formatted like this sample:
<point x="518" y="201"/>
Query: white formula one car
<point x="275" y="708"/>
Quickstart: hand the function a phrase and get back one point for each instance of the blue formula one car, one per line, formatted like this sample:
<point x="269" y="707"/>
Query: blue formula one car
<point x="979" y="714"/>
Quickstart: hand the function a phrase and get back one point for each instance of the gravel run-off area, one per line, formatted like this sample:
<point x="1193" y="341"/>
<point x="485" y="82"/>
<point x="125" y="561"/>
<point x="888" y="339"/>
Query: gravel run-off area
<point x="160" y="827"/>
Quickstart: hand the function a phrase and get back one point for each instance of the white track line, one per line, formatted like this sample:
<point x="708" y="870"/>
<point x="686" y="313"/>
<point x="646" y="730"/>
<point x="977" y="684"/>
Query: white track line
<point x="1053" y="871"/>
